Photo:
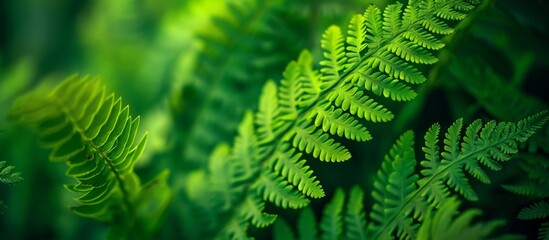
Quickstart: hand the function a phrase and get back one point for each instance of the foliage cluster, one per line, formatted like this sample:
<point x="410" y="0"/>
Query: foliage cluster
<point x="240" y="126"/>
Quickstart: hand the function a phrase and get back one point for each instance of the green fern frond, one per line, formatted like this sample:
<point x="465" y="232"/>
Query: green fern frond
<point x="394" y="184"/>
<point x="310" y="106"/>
<point x="488" y="144"/>
<point x="8" y="175"/>
<point x="355" y="217"/>
<point x="535" y="211"/>
<point x="331" y="224"/>
<point x="307" y="225"/>
<point x="91" y="131"/>
<point x="528" y="188"/>
<point x="282" y="231"/>
<point x="424" y="207"/>
<point x="444" y="224"/>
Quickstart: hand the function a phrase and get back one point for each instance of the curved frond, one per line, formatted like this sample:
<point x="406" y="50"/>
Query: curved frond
<point x="8" y="175"/>
<point x="394" y="185"/>
<point x="355" y="217"/>
<point x="535" y="211"/>
<point x="331" y="223"/>
<point x="91" y="131"/>
<point x="307" y="225"/>
<point x="446" y="223"/>
<point x="408" y="206"/>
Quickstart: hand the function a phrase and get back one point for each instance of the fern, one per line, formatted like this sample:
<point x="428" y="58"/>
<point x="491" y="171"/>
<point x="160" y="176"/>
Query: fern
<point x="485" y="144"/>
<point x="8" y="176"/>
<point x="537" y="186"/>
<point x="423" y="206"/>
<point x="93" y="133"/>
<point x="377" y="56"/>
<point x="444" y="224"/>
<point x="439" y="224"/>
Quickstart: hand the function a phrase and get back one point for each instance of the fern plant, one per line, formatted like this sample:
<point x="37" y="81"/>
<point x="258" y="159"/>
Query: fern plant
<point x="94" y="134"/>
<point x="378" y="56"/>
<point x="406" y="203"/>
<point x="8" y="176"/>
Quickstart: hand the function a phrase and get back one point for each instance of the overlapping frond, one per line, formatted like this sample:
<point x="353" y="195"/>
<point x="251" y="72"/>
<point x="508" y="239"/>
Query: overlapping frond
<point x="394" y="185"/>
<point x="486" y="144"/>
<point x="536" y="186"/>
<point x="409" y="206"/>
<point x="305" y="113"/>
<point x="93" y="133"/>
<point x="445" y="223"/>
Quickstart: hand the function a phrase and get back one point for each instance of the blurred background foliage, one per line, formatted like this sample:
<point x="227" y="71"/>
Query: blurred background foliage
<point x="191" y="68"/>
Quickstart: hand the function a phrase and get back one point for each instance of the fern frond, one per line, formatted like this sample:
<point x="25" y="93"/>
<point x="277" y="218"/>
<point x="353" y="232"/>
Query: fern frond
<point x="528" y="188"/>
<point x="307" y="225"/>
<point x="423" y="207"/>
<point x="91" y="132"/>
<point x="394" y="184"/>
<point x="331" y="223"/>
<point x="535" y="211"/>
<point x="483" y="143"/>
<point x="310" y="106"/>
<point x="8" y="175"/>
<point x="282" y="231"/>
<point x="444" y="224"/>
<point x="355" y="217"/>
